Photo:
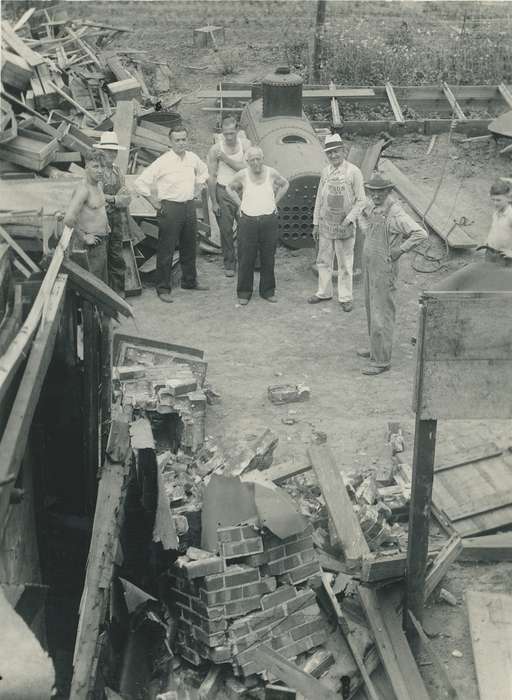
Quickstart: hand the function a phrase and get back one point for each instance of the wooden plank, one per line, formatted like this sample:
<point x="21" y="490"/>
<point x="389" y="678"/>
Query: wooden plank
<point x="75" y="104"/>
<point x="14" y="356"/>
<point x="24" y="18"/>
<point x="307" y="93"/>
<point x="379" y="567"/>
<point x="16" y="433"/>
<point x="18" y="250"/>
<point x="335" y="108"/>
<point x="278" y="473"/>
<point x="19" y="46"/>
<point x="348" y="635"/>
<point x="480" y="505"/>
<point x="456" y="108"/>
<point x="392" y="645"/>
<point x="292" y="675"/>
<point x="95" y="290"/>
<point x="420" y="202"/>
<point x="436" y="660"/>
<point x="108" y="518"/>
<point x="490" y="624"/>
<point x="338" y="503"/>
<point x="124" y="117"/>
<point x="470" y="455"/>
<point x="395" y="106"/>
<point x="132" y="283"/>
<point x="446" y="557"/>
<point x="505" y="93"/>
<point x="487" y="548"/>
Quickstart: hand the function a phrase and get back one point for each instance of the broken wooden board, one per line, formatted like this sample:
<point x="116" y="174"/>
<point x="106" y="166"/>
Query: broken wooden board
<point x="132" y="283"/>
<point x="490" y="623"/>
<point x="124" y="119"/>
<point x="95" y="290"/>
<point x="379" y="567"/>
<point x="487" y="548"/>
<point x="339" y="505"/>
<point x="446" y="557"/>
<point x="420" y="201"/>
<point x="436" y="659"/>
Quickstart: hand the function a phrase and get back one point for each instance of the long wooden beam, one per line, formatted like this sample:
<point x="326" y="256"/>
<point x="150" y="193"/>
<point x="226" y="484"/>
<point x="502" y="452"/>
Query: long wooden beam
<point x="505" y="93"/>
<point x="15" y="436"/>
<point x="18" y="350"/>
<point x="395" y="105"/>
<point x="95" y="290"/>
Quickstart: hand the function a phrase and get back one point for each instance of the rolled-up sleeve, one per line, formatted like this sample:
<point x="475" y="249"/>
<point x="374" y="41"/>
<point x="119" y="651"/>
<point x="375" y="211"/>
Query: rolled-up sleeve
<point x="357" y="185"/>
<point x="201" y="171"/>
<point x="412" y="233"/>
<point x="145" y="183"/>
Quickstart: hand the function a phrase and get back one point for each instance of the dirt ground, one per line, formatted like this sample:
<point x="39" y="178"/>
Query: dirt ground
<point x="249" y="348"/>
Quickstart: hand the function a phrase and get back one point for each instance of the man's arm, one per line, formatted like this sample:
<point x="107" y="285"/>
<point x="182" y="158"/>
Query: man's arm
<point x="213" y="168"/>
<point x="235" y="188"/>
<point x="78" y="200"/>
<point x="359" y="197"/>
<point x="412" y="233"/>
<point x="146" y="181"/>
<point x="281" y="185"/>
<point x="235" y="165"/>
<point x="318" y="204"/>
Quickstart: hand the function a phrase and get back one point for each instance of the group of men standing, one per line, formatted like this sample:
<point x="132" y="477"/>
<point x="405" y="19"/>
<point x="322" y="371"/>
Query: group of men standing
<point x="243" y="189"/>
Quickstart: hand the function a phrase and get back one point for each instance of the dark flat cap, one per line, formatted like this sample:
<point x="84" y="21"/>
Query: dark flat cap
<point x="377" y="182"/>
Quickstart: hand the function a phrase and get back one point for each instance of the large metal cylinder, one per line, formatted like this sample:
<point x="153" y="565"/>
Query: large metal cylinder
<point x="282" y="94"/>
<point x="289" y="145"/>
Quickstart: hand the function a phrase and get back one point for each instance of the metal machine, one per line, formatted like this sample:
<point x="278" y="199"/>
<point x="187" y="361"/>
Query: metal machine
<point x="275" y="122"/>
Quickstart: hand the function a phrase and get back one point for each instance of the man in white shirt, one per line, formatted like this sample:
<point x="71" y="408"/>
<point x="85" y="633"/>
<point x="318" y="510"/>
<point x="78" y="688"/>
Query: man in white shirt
<point x="500" y="234"/>
<point x="169" y="185"/>
<point x="339" y="201"/>
<point x="225" y="159"/>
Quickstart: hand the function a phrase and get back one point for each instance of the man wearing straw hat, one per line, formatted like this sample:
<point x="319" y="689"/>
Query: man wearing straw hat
<point x="117" y="200"/>
<point x="390" y="233"/>
<point x="339" y="202"/>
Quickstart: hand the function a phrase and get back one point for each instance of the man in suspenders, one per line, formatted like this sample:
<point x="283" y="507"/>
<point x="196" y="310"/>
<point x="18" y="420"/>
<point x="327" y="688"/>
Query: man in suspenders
<point x="225" y="159"/>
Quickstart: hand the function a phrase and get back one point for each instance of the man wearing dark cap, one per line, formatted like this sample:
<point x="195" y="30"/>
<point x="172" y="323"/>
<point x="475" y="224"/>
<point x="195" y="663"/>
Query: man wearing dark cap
<point x="390" y="233"/>
<point x="339" y="202"/>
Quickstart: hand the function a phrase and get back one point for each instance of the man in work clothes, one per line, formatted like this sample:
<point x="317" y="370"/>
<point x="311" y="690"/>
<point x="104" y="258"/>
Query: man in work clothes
<point x="225" y="159"/>
<point x="174" y="176"/>
<point x="86" y="214"/>
<point x="389" y="234"/>
<point x="118" y="199"/>
<point x="339" y="201"/>
<point x="261" y="188"/>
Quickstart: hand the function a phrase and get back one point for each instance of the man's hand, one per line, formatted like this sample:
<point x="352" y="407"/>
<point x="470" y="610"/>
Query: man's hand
<point x="222" y="156"/>
<point x="216" y="208"/>
<point x="122" y="200"/>
<point x="396" y="253"/>
<point x="315" y="233"/>
<point x="91" y="239"/>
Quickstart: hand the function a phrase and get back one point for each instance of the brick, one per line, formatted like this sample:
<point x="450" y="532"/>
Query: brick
<point x="234" y="575"/>
<point x="281" y="566"/>
<point x="235" y="550"/>
<point x="201" y="567"/>
<point x="236" y="534"/>
<point x="256" y="560"/>
<point x="276" y="553"/>
<point x="302" y="600"/>
<point x="309" y="628"/>
<point x="197" y="633"/>
<point x="281" y="595"/>
<point x="189" y="655"/>
<point x="210" y="613"/>
<point x="299" y="546"/>
<point x="242" y="607"/>
<point x="302" y="573"/>
<point x="220" y="654"/>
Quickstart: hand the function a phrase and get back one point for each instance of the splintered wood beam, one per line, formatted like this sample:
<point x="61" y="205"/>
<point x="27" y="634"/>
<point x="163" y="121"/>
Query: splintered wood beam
<point x="95" y="290"/>
<point x="18" y="350"/>
<point x="124" y="118"/>
<point x="456" y="108"/>
<point x="395" y="105"/>
<point x="436" y="659"/>
<point x="505" y="93"/>
<point x="19" y="46"/>
<point x="16" y="432"/>
<point x="442" y="563"/>
<point x="24" y="18"/>
<point x="72" y="102"/>
<point x="335" y="108"/>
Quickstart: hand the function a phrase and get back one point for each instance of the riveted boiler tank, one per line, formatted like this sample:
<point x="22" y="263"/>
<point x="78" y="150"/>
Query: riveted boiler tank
<point x="276" y="123"/>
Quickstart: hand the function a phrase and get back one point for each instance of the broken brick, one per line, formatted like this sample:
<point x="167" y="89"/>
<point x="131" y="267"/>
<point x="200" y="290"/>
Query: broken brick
<point x="200" y="567"/>
<point x="281" y="595"/>
<point x="238" y="533"/>
<point x="235" y="550"/>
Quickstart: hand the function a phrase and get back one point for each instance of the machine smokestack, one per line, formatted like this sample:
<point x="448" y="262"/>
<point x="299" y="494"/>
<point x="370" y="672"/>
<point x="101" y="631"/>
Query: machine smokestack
<point x="282" y="94"/>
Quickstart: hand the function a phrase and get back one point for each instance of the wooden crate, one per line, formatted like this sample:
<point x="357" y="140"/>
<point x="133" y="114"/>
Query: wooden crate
<point x="31" y="149"/>
<point x="132" y="283"/>
<point x="15" y="70"/>
<point x="125" y="89"/>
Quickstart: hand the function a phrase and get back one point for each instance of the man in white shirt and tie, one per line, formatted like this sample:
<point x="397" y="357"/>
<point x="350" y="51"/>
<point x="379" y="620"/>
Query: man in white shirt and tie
<point x="169" y="185"/>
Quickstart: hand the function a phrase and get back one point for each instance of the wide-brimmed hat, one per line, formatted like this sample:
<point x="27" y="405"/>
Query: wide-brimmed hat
<point x="377" y="182"/>
<point x="109" y="142"/>
<point x="332" y="141"/>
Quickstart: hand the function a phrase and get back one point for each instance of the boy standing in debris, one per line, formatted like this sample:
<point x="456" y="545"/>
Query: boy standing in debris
<point x="389" y="234"/>
<point x="87" y="215"/>
<point x="173" y="177"/>
<point x="256" y="190"/>
<point x="339" y="202"/>
<point x="118" y="199"/>
<point x="225" y="159"/>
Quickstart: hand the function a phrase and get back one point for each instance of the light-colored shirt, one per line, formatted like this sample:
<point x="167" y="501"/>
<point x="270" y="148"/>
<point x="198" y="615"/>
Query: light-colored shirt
<point x="218" y="168"/>
<point x="500" y="235"/>
<point x="399" y="226"/>
<point x="340" y="195"/>
<point x="258" y="198"/>
<point x="174" y="178"/>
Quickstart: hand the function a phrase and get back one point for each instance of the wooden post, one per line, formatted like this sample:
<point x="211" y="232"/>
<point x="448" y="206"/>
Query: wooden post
<point x="106" y="381"/>
<point x="317" y="45"/>
<point x="91" y="379"/>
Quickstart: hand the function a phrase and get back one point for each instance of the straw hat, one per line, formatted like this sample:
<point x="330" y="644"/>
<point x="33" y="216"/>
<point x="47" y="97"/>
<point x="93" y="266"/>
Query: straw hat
<point x="109" y="142"/>
<point x="377" y="182"/>
<point x="332" y="141"/>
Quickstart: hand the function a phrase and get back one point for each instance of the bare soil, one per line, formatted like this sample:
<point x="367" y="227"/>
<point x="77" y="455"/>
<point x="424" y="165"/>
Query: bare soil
<point x="249" y="348"/>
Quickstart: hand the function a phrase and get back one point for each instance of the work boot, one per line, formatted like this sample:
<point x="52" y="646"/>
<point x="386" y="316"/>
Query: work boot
<point x="243" y="302"/>
<point x="272" y="299"/>
<point x="316" y="300"/>
<point x="347" y="305"/>
<point x="363" y="353"/>
<point x="165" y="295"/>
<point x="197" y="288"/>
<point x="229" y="273"/>
<point x="373" y="370"/>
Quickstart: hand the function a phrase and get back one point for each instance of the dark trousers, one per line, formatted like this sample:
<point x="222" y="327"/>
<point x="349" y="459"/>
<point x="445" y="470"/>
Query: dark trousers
<point x="256" y="234"/>
<point x="177" y="227"/>
<point x="227" y="215"/>
<point x="115" y="261"/>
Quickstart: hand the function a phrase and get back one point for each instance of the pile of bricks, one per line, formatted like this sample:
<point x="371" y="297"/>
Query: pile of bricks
<point x="246" y="595"/>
